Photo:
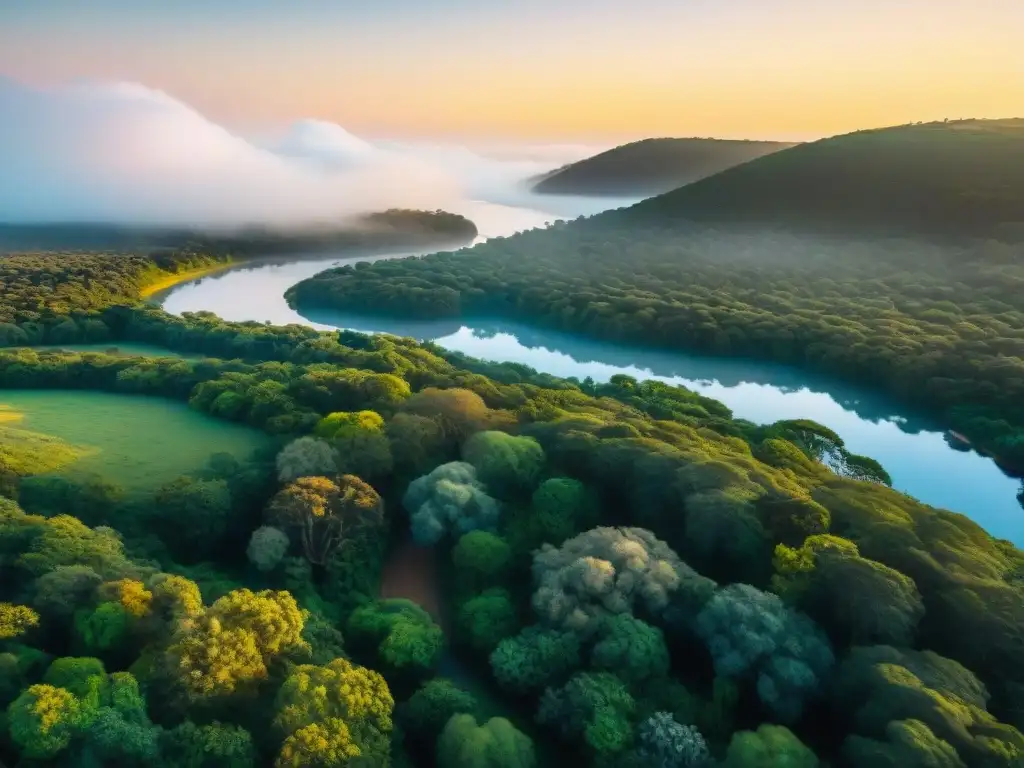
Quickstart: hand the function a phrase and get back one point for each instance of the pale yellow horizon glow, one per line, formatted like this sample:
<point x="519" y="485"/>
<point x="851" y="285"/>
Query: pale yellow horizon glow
<point x="777" y="69"/>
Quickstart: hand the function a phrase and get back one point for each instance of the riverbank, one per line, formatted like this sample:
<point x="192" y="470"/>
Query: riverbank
<point x="169" y="280"/>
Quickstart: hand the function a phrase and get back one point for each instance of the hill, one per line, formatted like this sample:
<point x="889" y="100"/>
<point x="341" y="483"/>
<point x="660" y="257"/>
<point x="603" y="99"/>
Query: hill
<point x="651" y="166"/>
<point x="962" y="178"/>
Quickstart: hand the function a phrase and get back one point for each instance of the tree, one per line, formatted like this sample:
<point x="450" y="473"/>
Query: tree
<point x="631" y="649"/>
<point x="318" y="745"/>
<point x="753" y="633"/>
<point x="664" y="743"/>
<point x="16" y="620"/>
<point x="417" y="443"/>
<point x="449" y="499"/>
<point x="43" y="719"/>
<point x="859" y="601"/>
<point x="193" y="515"/>
<point x="506" y="464"/>
<point x="229" y="647"/>
<point x="434" y="703"/>
<point x="402" y="636"/>
<point x="488" y="618"/>
<point x="534" y="658"/>
<point x="324" y="512"/>
<point x="594" y="707"/>
<point x="267" y="547"/>
<point x="356" y="696"/>
<point x="459" y="412"/>
<point x="481" y="560"/>
<point x="65" y="589"/>
<point x="941" y="701"/>
<point x="495" y="744"/>
<point x="561" y="507"/>
<point x="359" y="442"/>
<point x="208" y="746"/>
<point x="306" y="457"/>
<point x="770" y="746"/>
<point x="603" y="572"/>
<point x="907" y="744"/>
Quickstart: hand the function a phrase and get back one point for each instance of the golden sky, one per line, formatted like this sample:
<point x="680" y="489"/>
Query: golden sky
<point x="566" y="70"/>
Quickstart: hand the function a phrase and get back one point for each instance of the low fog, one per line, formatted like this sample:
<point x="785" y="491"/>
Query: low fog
<point x="121" y="153"/>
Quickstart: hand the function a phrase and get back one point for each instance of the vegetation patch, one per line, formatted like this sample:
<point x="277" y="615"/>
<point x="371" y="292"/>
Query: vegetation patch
<point x="136" y="442"/>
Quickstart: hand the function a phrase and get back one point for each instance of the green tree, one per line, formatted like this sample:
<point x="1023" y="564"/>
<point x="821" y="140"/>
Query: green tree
<point x="495" y="744"/>
<point x="534" y="658"/>
<point x="594" y="707"/>
<point x="432" y="706"/>
<point x="770" y="746"/>
<point x="506" y="464"/>
<point x="487" y="619"/>
<point x="481" y="560"/>
<point x="43" y="720"/>
<point x="631" y="649"/>
<point x="401" y="635"/>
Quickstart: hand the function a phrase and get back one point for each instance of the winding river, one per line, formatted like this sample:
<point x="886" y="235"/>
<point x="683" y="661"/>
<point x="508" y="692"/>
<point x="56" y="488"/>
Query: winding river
<point x="910" y="446"/>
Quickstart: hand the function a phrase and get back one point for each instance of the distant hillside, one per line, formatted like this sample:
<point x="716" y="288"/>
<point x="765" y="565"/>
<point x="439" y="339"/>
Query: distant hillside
<point x="961" y="178"/>
<point x="395" y="228"/>
<point x="651" y="166"/>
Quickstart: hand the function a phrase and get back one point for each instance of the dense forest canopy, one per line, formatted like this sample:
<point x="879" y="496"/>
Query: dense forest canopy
<point x="650" y="166"/>
<point x="934" y="321"/>
<point x="628" y="575"/>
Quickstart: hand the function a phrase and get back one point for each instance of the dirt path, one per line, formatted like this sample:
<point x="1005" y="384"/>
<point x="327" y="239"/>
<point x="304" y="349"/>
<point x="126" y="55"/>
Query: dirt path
<point x="411" y="572"/>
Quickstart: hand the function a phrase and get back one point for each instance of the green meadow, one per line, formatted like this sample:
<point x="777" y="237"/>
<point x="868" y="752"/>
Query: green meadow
<point x="136" y="442"/>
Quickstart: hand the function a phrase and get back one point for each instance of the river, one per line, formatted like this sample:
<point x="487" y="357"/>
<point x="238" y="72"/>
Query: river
<point x="910" y="446"/>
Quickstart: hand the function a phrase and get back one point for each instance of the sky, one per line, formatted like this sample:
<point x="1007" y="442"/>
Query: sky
<point x="538" y="70"/>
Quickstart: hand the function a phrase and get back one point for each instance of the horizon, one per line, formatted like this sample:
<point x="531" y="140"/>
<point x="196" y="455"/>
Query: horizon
<point x="602" y="72"/>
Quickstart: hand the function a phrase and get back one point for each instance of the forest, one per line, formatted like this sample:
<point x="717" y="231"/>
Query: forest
<point x="394" y="228"/>
<point x="625" y="574"/>
<point x="936" y="320"/>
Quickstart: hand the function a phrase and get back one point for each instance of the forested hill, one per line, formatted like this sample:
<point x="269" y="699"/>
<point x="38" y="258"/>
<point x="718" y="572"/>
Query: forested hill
<point x="961" y="178"/>
<point x="651" y="166"/>
<point x="394" y="228"/>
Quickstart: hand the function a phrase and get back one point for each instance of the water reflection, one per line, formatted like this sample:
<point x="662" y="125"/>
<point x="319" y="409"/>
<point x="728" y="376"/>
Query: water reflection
<point x="912" y="447"/>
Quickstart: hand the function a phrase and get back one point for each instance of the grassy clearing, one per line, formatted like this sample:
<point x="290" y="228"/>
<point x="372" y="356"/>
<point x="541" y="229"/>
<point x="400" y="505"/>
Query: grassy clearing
<point x="23" y="452"/>
<point x="136" y="442"/>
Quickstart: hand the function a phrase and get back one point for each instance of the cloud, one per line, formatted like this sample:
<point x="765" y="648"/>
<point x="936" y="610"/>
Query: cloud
<point x="124" y="153"/>
<point x="127" y="154"/>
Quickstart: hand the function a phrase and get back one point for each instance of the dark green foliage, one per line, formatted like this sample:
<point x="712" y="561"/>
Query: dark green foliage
<point x="208" y="746"/>
<point x="487" y="619"/>
<point x="193" y="516"/>
<point x="506" y="465"/>
<point x="402" y="638"/>
<point x="481" y="560"/>
<point x="495" y="744"/>
<point x="664" y="743"/>
<point x="631" y="649"/>
<point x="535" y="658"/>
<point x="428" y="710"/>
<point x="769" y="746"/>
<point x="594" y="708"/>
<point x="753" y="634"/>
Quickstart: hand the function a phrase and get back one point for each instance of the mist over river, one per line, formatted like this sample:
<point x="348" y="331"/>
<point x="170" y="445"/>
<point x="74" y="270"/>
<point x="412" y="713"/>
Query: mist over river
<point x="911" y="447"/>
